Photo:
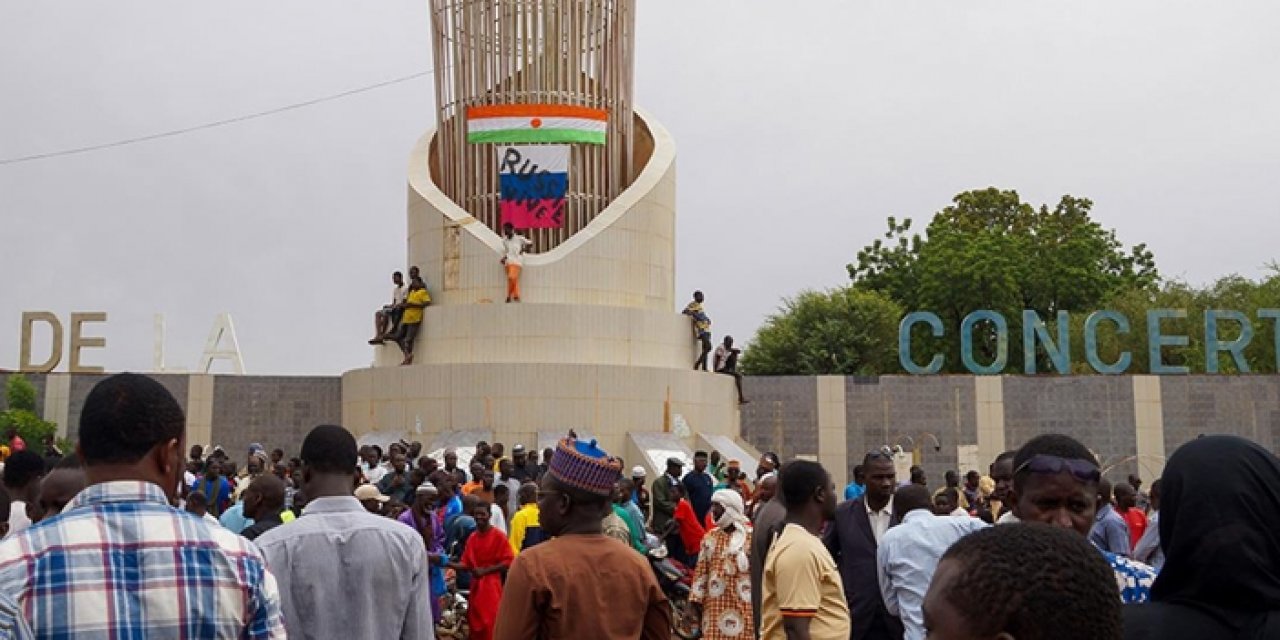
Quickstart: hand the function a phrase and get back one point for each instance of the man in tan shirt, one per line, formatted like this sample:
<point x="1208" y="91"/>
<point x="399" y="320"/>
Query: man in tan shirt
<point x="803" y="593"/>
<point x="581" y="584"/>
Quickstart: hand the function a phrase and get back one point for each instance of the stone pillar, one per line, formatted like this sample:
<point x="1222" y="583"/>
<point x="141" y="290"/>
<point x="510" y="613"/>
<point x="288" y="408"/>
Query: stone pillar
<point x="200" y="410"/>
<point x="57" y="402"/>
<point x="989" y="391"/>
<point x="832" y="430"/>
<point x="1148" y="419"/>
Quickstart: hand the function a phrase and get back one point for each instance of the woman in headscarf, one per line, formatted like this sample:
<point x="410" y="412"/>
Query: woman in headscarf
<point x="721" y="594"/>
<point x="1220" y="532"/>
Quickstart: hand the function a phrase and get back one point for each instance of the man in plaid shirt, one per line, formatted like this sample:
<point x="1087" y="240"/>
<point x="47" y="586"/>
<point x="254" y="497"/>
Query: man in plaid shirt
<point x="119" y="561"/>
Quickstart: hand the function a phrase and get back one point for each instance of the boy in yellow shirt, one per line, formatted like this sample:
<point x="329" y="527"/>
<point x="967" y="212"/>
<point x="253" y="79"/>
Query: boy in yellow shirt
<point x="414" y="303"/>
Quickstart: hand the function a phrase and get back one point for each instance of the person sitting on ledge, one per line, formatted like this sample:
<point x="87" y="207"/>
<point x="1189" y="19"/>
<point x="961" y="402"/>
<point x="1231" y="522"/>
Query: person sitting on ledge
<point x="411" y="321"/>
<point x="726" y="362"/>
<point x="386" y="318"/>
<point x="513" y="246"/>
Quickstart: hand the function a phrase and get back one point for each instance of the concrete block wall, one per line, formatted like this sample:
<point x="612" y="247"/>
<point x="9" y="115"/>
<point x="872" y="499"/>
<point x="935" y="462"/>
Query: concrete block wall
<point x="923" y="413"/>
<point x="228" y="410"/>
<point x="1246" y="405"/>
<point x="1135" y="419"/>
<point x="1096" y="410"/>
<point x="274" y="411"/>
<point x="1132" y="422"/>
<point x="782" y="416"/>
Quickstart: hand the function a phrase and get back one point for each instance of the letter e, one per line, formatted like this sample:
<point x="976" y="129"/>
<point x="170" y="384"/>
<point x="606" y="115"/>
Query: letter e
<point x="79" y="341"/>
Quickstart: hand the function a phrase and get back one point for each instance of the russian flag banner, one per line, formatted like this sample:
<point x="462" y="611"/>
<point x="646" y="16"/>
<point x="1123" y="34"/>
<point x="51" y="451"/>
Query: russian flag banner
<point x="536" y="123"/>
<point x="532" y="182"/>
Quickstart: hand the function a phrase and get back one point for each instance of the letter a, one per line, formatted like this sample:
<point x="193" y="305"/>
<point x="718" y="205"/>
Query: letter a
<point x="222" y="327"/>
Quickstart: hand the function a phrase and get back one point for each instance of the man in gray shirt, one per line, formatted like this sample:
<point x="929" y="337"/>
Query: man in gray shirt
<point x="343" y="572"/>
<point x="1109" y="532"/>
<point x="769" y="518"/>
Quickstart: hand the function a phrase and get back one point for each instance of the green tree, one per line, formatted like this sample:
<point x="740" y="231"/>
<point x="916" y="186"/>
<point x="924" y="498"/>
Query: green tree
<point x="841" y="331"/>
<point x="21" y="414"/>
<point x="991" y="250"/>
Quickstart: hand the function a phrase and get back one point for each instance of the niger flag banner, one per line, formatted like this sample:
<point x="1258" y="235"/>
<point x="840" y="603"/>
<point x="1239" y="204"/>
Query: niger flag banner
<point x="536" y="123"/>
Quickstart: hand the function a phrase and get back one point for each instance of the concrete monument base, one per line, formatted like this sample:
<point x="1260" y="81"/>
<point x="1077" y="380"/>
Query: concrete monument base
<point x="515" y="402"/>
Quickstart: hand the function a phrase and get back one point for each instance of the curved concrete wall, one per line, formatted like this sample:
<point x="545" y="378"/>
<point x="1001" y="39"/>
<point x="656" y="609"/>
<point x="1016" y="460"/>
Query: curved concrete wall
<point x="624" y="258"/>
<point x="516" y="401"/>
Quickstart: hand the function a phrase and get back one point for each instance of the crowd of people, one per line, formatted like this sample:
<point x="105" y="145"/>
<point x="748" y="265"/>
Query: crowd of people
<point x="138" y="536"/>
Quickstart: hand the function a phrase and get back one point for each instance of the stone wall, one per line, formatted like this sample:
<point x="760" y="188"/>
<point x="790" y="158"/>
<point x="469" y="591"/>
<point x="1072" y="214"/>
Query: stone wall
<point x="782" y="416"/>
<point x="82" y="384"/>
<point x="1096" y="410"/>
<point x="1132" y="422"/>
<point x="274" y="411"/>
<point x="1245" y="405"/>
<point x="898" y="410"/>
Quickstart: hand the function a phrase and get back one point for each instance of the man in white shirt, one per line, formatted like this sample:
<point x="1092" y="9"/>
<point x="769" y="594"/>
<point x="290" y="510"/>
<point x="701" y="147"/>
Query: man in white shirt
<point x="726" y="362"/>
<point x="371" y="464"/>
<point x="513" y="246"/>
<point x="908" y="555"/>
<point x="22" y="474"/>
<point x="386" y="318"/>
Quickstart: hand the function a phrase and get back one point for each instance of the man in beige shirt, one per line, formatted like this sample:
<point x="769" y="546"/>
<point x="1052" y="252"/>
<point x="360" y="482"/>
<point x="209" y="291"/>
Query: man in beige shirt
<point x="803" y="593"/>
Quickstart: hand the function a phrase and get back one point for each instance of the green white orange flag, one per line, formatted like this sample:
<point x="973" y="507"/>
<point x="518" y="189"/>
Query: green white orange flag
<point x="535" y="123"/>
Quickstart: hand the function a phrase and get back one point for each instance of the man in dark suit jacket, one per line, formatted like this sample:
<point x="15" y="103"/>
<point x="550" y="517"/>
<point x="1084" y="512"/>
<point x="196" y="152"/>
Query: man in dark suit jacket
<point x="853" y="538"/>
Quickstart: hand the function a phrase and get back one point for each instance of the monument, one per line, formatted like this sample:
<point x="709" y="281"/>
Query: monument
<point x="536" y="126"/>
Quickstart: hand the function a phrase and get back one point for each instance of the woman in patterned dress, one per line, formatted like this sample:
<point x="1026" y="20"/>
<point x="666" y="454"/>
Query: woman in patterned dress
<point x="721" y="594"/>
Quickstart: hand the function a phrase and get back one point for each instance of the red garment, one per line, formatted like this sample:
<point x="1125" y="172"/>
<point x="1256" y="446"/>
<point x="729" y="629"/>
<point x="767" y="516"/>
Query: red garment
<point x="690" y="531"/>
<point x="487" y="549"/>
<point x="1137" y="521"/>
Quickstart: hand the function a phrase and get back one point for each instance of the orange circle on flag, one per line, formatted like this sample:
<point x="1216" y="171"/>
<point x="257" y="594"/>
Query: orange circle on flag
<point x="536" y="122"/>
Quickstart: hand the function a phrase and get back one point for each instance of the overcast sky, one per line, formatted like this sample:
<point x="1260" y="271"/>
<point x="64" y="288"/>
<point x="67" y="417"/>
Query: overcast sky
<point x="800" y="126"/>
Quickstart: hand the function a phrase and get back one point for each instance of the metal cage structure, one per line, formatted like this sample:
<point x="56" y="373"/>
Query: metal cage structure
<point x="504" y="52"/>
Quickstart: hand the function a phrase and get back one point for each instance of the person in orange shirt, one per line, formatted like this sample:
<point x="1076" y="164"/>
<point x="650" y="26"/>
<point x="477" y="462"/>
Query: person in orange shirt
<point x="1126" y="505"/>
<point x="733" y="479"/>
<point x="691" y="531"/>
<point x="477" y="475"/>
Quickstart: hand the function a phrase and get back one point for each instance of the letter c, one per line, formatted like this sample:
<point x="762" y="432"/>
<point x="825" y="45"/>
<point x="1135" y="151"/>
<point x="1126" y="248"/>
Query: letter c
<point x="904" y="342"/>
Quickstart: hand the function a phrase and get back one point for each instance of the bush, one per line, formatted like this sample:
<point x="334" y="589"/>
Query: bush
<point x="21" y="414"/>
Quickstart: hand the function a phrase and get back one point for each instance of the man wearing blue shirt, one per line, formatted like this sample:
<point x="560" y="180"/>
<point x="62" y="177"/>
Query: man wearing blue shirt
<point x="698" y="486"/>
<point x="1109" y="532"/>
<point x="855" y="489"/>
<point x="908" y="555"/>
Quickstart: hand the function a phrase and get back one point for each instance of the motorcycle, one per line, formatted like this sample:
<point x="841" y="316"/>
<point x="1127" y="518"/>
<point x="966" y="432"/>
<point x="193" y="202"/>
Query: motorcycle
<point x="676" y="581"/>
<point x="453" y="616"/>
<point x="453" y="609"/>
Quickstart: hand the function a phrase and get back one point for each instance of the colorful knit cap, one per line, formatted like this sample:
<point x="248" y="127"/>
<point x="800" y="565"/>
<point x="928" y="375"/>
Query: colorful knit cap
<point x="584" y="466"/>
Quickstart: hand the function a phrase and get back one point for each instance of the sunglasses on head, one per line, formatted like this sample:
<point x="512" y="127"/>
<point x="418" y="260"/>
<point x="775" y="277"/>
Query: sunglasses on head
<point x="1082" y="470"/>
<point x="880" y="454"/>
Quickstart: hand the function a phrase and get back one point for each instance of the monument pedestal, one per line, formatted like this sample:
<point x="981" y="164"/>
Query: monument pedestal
<point x="597" y="345"/>
<point x="516" y="401"/>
